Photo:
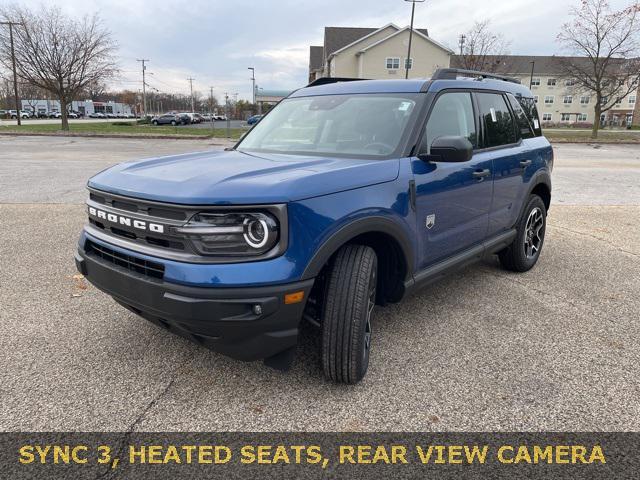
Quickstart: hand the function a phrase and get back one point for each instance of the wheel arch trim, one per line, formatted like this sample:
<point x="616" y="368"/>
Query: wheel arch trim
<point x="373" y="224"/>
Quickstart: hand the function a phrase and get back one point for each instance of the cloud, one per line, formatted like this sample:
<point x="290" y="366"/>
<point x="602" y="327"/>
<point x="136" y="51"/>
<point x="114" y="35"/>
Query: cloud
<point x="215" y="41"/>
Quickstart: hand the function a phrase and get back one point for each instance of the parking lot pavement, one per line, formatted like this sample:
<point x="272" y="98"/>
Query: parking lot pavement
<point x="556" y="348"/>
<point x="55" y="170"/>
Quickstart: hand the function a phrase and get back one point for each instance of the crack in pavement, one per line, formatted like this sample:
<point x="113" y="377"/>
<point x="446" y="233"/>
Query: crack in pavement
<point x="118" y="452"/>
<point x="576" y="232"/>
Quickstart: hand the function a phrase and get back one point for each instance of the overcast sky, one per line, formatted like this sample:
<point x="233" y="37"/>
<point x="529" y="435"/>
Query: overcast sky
<point x="215" y="41"/>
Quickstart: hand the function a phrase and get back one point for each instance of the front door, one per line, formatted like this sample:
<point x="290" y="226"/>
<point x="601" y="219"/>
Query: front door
<point x="452" y="199"/>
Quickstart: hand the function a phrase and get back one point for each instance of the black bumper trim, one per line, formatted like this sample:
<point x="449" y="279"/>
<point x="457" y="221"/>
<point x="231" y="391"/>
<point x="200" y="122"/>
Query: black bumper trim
<point x="222" y="319"/>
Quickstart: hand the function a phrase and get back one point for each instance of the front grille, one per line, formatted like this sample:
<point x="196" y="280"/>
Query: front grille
<point x="145" y="211"/>
<point x="134" y="264"/>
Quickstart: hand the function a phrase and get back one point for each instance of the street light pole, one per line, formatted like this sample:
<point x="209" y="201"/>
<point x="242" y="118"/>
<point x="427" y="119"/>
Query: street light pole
<point x="533" y="65"/>
<point x="253" y="83"/>
<point x="408" y="59"/>
<point x="15" y="75"/>
<point x="191" y="86"/>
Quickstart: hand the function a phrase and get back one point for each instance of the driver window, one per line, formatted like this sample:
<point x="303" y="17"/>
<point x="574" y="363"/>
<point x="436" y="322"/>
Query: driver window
<point x="451" y="115"/>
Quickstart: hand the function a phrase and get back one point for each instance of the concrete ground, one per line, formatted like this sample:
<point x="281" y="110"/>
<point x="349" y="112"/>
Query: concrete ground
<point x="555" y="349"/>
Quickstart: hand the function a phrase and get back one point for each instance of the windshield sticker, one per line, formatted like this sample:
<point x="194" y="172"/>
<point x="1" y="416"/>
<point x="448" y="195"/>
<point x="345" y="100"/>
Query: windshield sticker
<point x="404" y="106"/>
<point x="536" y="124"/>
<point x="493" y="115"/>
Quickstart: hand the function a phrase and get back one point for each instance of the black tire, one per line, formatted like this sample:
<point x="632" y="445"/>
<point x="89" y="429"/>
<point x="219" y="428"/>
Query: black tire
<point x="173" y="123"/>
<point x="525" y="250"/>
<point x="155" y="123"/>
<point x="349" y="295"/>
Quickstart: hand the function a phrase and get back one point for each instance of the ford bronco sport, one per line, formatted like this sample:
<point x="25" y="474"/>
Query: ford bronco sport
<point x="347" y="195"/>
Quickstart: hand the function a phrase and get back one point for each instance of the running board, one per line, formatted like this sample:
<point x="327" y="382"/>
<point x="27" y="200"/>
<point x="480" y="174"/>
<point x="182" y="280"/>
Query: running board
<point x="459" y="261"/>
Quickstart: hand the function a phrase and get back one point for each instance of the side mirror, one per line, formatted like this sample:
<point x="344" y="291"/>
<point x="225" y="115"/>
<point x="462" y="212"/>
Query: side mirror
<point x="449" y="149"/>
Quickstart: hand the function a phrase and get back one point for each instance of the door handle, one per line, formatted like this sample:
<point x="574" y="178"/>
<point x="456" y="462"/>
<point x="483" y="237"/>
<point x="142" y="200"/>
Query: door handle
<point x="480" y="174"/>
<point x="525" y="163"/>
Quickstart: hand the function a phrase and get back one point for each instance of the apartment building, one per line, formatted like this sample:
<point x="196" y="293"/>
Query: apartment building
<point x="381" y="54"/>
<point x="558" y="98"/>
<point x="376" y="53"/>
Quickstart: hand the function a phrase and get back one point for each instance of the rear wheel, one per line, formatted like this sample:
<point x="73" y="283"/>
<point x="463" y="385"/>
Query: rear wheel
<point x="525" y="250"/>
<point x="350" y="295"/>
<point x="173" y="123"/>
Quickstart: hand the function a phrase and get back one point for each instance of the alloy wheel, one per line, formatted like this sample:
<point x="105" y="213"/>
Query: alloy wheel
<point x="533" y="237"/>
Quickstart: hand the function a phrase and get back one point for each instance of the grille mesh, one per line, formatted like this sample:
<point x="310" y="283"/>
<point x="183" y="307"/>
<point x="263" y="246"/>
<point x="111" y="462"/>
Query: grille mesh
<point x="134" y="264"/>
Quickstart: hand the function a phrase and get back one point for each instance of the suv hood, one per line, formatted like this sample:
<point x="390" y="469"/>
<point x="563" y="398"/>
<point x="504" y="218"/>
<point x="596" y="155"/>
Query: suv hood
<point x="233" y="177"/>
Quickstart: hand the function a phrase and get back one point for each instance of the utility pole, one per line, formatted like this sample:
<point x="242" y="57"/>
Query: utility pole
<point x="253" y="84"/>
<point x="226" y="113"/>
<point x="408" y="59"/>
<point x="191" y="87"/>
<point x="144" y="86"/>
<point x="463" y="39"/>
<point x="15" y="75"/>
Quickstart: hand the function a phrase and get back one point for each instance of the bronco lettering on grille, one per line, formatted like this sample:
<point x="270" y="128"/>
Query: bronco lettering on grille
<point x="126" y="221"/>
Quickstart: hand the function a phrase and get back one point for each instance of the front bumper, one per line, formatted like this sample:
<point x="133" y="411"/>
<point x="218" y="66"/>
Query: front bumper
<point x="222" y="319"/>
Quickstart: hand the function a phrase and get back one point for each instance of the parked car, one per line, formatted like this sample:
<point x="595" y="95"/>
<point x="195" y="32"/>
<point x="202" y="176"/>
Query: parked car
<point x="59" y="115"/>
<point x="185" y="119"/>
<point x="206" y="117"/>
<point x="254" y="119"/>
<point x="97" y="115"/>
<point x="222" y="118"/>
<point x="381" y="188"/>
<point x="23" y="114"/>
<point x="194" y="117"/>
<point x="167" y="119"/>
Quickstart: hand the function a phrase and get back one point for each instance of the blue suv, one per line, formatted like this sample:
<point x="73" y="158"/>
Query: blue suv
<point x="348" y="195"/>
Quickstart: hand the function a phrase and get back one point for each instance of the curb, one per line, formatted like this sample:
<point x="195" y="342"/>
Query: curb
<point x="114" y="135"/>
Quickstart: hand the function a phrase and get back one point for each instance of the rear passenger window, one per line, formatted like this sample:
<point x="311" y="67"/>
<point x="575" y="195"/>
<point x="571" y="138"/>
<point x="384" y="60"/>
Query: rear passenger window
<point x="499" y="125"/>
<point x="452" y="115"/>
<point x="528" y="104"/>
<point x="524" y="125"/>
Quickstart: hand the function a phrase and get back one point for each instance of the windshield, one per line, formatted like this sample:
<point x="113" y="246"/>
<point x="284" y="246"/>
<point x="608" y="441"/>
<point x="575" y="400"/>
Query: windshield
<point x="370" y="125"/>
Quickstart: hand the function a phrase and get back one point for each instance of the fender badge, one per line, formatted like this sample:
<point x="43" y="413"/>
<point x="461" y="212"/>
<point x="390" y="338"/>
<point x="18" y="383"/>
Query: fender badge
<point x="431" y="221"/>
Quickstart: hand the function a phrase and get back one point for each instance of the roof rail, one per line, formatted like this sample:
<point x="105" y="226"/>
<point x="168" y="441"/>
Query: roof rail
<point x="327" y="80"/>
<point x="454" y="73"/>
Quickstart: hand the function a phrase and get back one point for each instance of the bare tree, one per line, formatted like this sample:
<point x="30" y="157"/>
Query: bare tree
<point x="608" y="43"/>
<point x="481" y="49"/>
<point x="58" y="54"/>
<point x="30" y="95"/>
<point x="95" y="90"/>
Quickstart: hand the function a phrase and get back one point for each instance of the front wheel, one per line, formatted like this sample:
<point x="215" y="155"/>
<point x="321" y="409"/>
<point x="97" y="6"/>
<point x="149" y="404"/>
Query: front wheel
<point x="346" y="317"/>
<point x="173" y="123"/>
<point x="525" y="250"/>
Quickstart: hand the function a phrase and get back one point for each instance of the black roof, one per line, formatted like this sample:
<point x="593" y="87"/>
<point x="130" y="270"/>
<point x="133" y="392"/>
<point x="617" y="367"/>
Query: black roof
<point x="316" y="57"/>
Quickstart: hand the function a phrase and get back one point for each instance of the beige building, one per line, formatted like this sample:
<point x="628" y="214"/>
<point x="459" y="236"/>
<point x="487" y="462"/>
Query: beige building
<point x="559" y="100"/>
<point x="381" y="54"/>
<point x="376" y="53"/>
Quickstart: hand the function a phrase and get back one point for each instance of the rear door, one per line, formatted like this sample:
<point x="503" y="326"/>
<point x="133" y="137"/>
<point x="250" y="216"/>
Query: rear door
<point x="502" y="144"/>
<point x="452" y="199"/>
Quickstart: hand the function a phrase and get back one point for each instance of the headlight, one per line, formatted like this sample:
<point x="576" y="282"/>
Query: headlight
<point x="231" y="234"/>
